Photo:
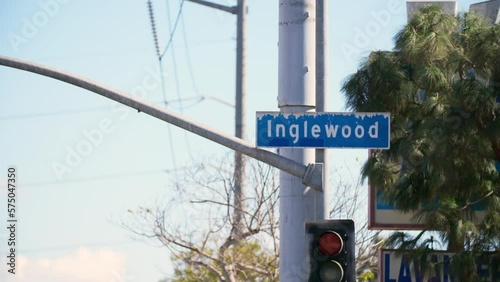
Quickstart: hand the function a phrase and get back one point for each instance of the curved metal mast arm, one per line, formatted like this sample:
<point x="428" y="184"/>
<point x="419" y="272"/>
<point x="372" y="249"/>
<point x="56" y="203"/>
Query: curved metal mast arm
<point x="311" y="175"/>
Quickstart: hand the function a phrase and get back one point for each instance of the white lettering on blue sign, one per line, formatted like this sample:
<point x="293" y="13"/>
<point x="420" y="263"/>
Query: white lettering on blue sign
<point x="399" y="268"/>
<point x="324" y="130"/>
<point x="409" y="272"/>
<point x="330" y="130"/>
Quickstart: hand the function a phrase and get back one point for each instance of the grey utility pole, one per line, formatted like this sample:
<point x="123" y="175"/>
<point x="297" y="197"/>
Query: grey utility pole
<point x="240" y="112"/>
<point x="322" y="58"/>
<point x="296" y="94"/>
<point x="240" y="124"/>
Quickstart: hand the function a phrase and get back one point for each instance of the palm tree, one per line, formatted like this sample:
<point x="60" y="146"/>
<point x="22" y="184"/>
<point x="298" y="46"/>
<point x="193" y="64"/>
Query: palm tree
<point x="440" y="85"/>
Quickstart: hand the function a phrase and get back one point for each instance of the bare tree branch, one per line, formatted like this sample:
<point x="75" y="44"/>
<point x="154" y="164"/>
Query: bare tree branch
<point x="210" y="243"/>
<point x="219" y="275"/>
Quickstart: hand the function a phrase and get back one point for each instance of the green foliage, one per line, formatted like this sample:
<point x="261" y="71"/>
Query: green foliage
<point x="440" y="85"/>
<point x="196" y="274"/>
<point x="249" y="253"/>
<point x="367" y="276"/>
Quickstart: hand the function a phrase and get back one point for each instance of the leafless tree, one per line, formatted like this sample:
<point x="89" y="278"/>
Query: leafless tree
<point x="197" y="225"/>
<point x="204" y="238"/>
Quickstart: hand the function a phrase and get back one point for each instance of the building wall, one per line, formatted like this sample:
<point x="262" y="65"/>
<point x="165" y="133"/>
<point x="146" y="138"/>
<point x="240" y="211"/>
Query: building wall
<point x="412" y="7"/>
<point x="489" y="9"/>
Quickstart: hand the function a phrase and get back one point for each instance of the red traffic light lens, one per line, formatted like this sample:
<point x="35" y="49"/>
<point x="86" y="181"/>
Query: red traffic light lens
<point x="330" y="243"/>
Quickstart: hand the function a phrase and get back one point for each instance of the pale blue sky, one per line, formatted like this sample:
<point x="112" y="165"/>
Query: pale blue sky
<point x="111" y="42"/>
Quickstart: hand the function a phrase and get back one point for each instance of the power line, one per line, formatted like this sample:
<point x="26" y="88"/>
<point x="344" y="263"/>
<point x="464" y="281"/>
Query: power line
<point x="100" y="177"/>
<point x="188" y="57"/>
<point x="47" y="114"/>
<point x="174" y="61"/>
<point x="173" y="30"/>
<point x="163" y="90"/>
<point x="78" y="246"/>
<point x="176" y="77"/>
<point x="87" y="54"/>
<point x="160" y="62"/>
<point x="197" y="100"/>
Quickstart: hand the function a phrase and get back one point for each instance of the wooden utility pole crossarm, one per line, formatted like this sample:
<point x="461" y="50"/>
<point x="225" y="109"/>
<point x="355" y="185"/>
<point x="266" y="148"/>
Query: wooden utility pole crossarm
<point x="311" y="175"/>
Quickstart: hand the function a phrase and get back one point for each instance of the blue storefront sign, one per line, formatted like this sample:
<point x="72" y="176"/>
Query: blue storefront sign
<point x="397" y="267"/>
<point x="384" y="215"/>
<point x="323" y="130"/>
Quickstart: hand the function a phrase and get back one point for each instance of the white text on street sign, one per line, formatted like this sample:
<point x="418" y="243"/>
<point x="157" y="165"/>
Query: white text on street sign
<point x="323" y="130"/>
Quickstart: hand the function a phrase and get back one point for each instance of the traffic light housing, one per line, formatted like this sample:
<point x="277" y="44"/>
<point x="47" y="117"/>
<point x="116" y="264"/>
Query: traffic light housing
<point x="331" y="250"/>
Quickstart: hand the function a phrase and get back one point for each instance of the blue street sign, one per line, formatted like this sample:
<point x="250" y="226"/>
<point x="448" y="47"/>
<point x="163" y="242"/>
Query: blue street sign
<point x="323" y="130"/>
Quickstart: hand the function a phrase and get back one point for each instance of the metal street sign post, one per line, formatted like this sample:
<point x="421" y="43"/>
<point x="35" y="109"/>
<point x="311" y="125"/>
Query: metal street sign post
<point x="323" y="130"/>
<point x="301" y="129"/>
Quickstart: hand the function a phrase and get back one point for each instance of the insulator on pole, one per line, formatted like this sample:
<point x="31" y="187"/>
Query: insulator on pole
<point x="153" y="27"/>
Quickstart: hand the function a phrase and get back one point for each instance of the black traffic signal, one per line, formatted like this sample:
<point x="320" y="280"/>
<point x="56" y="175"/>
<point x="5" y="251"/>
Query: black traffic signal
<point x="331" y="250"/>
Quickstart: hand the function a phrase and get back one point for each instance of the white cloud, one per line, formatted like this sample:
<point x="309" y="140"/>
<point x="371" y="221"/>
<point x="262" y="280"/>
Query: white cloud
<point x="85" y="265"/>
